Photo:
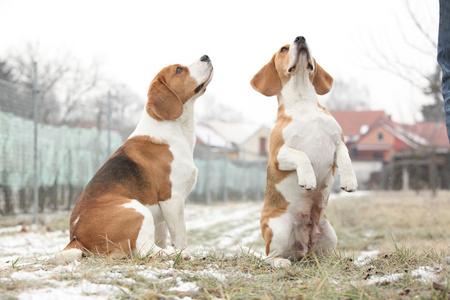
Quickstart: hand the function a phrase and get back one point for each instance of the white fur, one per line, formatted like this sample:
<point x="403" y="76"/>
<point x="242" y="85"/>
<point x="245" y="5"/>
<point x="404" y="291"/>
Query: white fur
<point x="179" y="134"/>
<point x="312" y="147"/>
<point x="296" y="58"/>
<point x="167" y="215"/>
<point x="160" y="226"/>
<point x="145" y="243"/>
<point x="201" y="71"/>
<point x="146" y="234"/>
<point x="312" y="134"/>
<point x="68" y="256"/>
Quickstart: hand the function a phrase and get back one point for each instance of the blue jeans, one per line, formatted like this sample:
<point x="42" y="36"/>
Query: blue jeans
<point x="444" y="57"/>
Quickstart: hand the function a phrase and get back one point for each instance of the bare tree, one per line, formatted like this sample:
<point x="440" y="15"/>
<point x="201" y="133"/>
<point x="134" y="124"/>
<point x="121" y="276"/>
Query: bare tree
<point x="421" y="42"/>
<point x="5" y="71"/>
<point x="214" y="109"/>
<point x="126" y="108"/>
<point x="347" y="96"/>
<point x="63" y="82"/>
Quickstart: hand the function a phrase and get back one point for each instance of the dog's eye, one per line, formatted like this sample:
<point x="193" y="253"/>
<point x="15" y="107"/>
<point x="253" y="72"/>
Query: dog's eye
<point x="284" y="49"/>
<point x="179" y="70"/>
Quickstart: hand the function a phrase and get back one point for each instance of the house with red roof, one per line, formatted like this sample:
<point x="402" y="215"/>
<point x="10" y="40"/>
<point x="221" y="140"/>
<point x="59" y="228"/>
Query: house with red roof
<point x="389" y="155"/>
<point x="356" y="123"/>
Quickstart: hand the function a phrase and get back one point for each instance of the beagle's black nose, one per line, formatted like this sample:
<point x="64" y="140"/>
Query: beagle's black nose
<point x="299" y="39"/>
<point x="204" y="58"/>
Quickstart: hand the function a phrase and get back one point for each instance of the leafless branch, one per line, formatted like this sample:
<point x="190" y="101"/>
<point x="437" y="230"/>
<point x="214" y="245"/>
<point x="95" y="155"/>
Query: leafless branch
<point x="420" y="27"/>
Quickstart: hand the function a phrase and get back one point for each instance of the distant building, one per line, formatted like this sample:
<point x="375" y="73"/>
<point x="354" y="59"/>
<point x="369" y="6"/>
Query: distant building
<point x="357" y="123"/>
<point x="240" y="141"/>
<point x="367" y="157"/>
<point x="390" y="155"/>
<point x="209" y="142"/>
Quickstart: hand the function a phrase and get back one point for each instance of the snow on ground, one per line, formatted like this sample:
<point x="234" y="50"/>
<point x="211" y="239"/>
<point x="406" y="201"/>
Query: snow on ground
<point x="365" y="257"/>
<point x="425" y="275"/>
<point x="225" y="227"/>
<point x="216" y="227"/>
<point x="82" y="290"/>
<point x="35" y="243"/>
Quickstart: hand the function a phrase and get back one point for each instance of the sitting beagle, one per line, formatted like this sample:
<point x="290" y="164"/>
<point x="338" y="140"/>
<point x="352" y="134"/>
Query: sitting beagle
<point x="306" y="145"/>
<point x="139" y="193"/>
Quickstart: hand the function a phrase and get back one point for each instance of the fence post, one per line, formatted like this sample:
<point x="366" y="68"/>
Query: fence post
<point x="225" y="170"/>
<point x="244" y="178"/>
<point x="109" y="123"/>
<point x="208" y="166"/>
<point x="35" y="166"/>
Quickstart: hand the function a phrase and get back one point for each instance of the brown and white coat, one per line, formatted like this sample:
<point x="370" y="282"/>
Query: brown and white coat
<point x="306" y="145"/>
<point x="138" y="195"/>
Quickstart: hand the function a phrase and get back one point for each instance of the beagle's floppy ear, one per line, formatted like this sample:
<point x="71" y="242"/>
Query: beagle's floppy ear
<point x="267" y="81"/>
<point x="162" y="101"/>
<point x="322" y="81"/>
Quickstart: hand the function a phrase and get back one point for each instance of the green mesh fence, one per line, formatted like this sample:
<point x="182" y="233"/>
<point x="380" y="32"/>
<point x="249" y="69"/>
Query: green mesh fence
<point x="68" y="157"/>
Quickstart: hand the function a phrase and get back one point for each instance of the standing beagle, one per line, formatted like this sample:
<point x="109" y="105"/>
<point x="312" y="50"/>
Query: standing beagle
<point x="306" y="145"/>
<point x="139" y="193"/>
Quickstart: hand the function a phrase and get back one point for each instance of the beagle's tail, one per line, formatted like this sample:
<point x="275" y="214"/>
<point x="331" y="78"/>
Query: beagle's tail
<point x="70" y="254"/>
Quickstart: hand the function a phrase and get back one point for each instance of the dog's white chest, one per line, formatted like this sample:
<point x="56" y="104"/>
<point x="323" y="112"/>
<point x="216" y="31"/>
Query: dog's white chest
<point x="316" y="135"/>
<point x="183" y="171"/>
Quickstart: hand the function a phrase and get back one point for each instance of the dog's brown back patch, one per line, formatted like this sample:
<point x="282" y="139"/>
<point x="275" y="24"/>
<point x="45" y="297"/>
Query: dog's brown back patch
<point x="139" y="170"/>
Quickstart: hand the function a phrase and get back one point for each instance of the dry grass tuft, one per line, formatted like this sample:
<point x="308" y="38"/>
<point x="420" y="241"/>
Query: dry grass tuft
<point x="409" y="232"/>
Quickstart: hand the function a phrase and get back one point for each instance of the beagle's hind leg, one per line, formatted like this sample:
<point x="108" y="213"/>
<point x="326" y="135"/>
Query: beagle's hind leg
<point x="278" y="237"/>
<point x="327" y="240"/>
<point x="145" y="242"/>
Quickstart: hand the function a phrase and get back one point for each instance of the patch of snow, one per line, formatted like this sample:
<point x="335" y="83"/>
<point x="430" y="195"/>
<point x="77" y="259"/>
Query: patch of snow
<point x="32" y="244"/>
<point x="110" y="276"/>
<point x="184" y="287"/>
<point x="69" y="267"/>
<point x="213" y="215"/>
<point x="68" y="291"/>
<point x="384" y="279"/>
<point x="12" y="229"/>
<point x="213" y="273"/>
<point x="7" y="261"/>
<point x="24" y="276"/>
<point x="426" y="274"/>
<point x="366" y="256"/>
<point x="149" y="274"/>
<point x="422" y="274"/>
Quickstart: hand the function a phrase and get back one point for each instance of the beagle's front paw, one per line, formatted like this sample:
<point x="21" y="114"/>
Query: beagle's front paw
<point x="307" y="179"/>
<point x="348" y="182"/>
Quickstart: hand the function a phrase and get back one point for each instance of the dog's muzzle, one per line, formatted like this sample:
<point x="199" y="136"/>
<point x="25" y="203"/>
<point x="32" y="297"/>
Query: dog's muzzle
<point x="301" y="46"/>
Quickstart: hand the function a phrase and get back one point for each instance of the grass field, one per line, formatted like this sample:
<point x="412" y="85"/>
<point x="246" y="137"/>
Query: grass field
<point x="392" y="245"/>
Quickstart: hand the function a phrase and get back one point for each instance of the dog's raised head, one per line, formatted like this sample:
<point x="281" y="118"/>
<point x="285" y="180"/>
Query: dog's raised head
<point x="295" y="65"/>
<point x="175" y="85"/>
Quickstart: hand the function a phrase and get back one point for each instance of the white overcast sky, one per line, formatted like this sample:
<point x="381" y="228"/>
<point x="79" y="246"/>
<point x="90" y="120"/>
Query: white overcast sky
<point x="133" y="40"/>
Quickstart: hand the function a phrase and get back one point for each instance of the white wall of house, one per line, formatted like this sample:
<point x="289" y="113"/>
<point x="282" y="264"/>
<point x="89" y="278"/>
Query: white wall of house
<point x="256" y="147"/>
<point x="363" y="169"/>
